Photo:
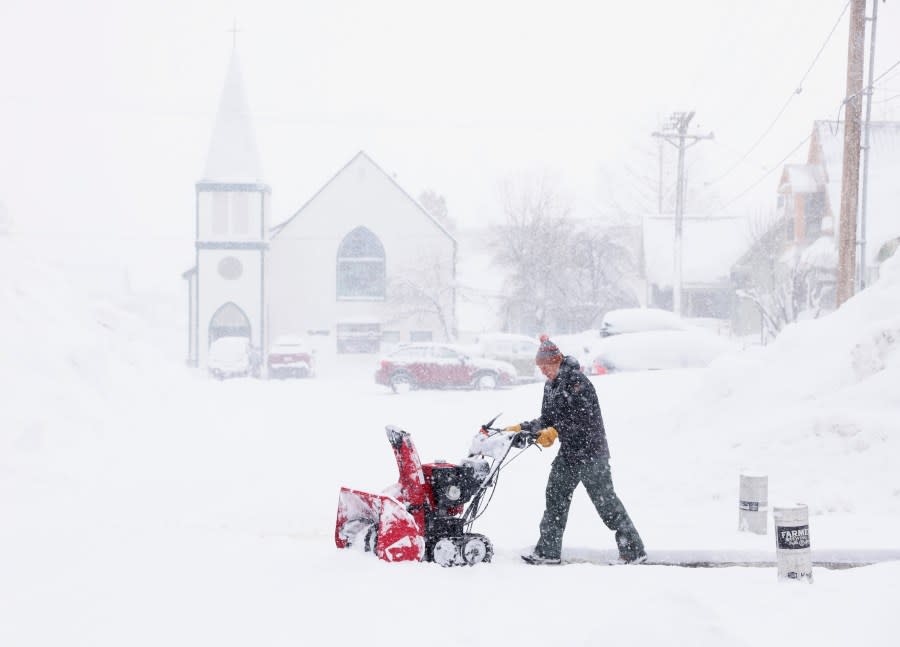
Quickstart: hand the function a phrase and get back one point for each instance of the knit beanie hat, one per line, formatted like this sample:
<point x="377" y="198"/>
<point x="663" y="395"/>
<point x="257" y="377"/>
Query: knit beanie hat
<point x="548" y="352"/>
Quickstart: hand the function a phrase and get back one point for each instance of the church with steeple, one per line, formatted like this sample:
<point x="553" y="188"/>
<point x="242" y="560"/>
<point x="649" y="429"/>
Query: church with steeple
<point x="361" y="262"/>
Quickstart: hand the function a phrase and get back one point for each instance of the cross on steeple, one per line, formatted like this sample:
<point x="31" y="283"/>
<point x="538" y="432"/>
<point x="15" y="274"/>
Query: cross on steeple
<point x="234" y="31"/>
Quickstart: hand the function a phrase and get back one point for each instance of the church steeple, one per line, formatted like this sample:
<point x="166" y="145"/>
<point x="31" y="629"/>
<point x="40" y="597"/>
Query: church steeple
<point x="233" y="156"/>
<point x="228" y="283"/>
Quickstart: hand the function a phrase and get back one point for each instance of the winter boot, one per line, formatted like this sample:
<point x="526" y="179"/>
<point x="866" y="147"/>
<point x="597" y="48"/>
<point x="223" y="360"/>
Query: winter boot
<point x="633" y="558"/>
<point x="537" y="559"/>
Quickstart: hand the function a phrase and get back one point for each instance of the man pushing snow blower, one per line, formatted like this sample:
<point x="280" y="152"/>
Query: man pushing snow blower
<point x="570" y="411"/>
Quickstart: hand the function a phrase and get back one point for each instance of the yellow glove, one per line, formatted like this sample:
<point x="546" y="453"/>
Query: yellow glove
<point x="546" y="436"/>
<point x="514" y="429"/>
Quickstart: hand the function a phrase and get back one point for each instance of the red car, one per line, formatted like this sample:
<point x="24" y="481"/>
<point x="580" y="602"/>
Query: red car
<point x="290" y="356"/>
<point x="441" y="366"/>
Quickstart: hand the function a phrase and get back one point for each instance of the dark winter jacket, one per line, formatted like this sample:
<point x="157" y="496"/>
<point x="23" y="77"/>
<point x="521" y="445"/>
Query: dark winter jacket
<point x="570" y="405"/>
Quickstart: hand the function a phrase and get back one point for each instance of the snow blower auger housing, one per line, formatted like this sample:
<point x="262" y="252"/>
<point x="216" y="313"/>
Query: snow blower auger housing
<point x="428" y="514"/>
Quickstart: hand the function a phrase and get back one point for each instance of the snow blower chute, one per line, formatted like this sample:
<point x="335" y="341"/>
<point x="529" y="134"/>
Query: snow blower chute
<point x="428" y="514"/>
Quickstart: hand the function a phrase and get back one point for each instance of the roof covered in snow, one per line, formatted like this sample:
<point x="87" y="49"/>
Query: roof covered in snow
<point x="802" y="178"/>
<point x="710" y="246"/>
<point x="233" y="156"/>
<point x="883" y="195"/>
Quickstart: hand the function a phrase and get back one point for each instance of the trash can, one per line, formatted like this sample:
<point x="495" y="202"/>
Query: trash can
<point x="792" y="542"/>
<point x="753" y="503"/>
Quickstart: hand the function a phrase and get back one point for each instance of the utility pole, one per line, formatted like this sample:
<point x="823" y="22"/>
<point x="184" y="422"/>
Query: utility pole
<point x="676" y="134"/>
<point x="659" y="192"/>
<point x="850" y="179"/>
<point x="865" y="151"/>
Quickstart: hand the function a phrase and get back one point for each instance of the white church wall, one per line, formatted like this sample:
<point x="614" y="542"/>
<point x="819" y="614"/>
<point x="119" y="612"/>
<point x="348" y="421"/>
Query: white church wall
<point x="215" y="291"/>
<point x="304" y="254"/>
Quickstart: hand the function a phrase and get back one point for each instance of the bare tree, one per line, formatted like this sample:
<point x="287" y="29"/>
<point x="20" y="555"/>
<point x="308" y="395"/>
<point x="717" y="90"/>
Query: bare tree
<point x="597" y="276"/>
<point x="436" y="205"/>
<point x="527" y="244"/>
<point x="562" y="274"/>
<point x="783" y="282"/>
<point x="425" y="289"/>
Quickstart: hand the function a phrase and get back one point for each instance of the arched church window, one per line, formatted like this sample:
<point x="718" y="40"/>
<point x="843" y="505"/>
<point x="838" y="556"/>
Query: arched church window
<point x="360" y="266"/>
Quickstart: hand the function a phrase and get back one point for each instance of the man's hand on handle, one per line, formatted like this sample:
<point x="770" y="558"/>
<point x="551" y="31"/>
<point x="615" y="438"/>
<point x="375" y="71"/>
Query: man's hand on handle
<point x="546" y="437"/>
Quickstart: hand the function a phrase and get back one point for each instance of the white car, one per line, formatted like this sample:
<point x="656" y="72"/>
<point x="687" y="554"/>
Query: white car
<point x="518" y="350"/>
<point x="231" y="357"/>
<point x="629" y="320"/>
<point x="658" y="349"/>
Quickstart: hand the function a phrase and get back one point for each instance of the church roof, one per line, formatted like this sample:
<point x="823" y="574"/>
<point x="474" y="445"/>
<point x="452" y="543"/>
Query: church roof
<point x="361" y="155"/>
<point x="233" y="155"/>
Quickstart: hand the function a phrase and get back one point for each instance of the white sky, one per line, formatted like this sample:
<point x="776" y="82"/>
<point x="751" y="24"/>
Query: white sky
<point x="106" y="107"/>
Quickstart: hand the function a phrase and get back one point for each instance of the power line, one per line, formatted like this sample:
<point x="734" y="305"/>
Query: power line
<point x="889" y="99"/>
<point x="775" y="167"/>
<point x="784" y="107"/>
<point x="885" y="73"/>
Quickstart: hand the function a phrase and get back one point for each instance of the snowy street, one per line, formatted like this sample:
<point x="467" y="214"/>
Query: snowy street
<point x="169" y="508"/>
<point x="312" y="316"/>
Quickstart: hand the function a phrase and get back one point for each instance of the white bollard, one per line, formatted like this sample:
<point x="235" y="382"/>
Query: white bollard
<point x="753" y="503"/>
<point x="792" y="542"/>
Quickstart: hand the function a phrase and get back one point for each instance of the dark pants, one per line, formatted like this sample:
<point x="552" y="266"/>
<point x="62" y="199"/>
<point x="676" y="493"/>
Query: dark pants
<point x="597" y="478"/>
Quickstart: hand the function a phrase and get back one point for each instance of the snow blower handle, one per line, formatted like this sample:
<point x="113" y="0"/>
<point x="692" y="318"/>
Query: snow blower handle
<point x="524" y="438"/>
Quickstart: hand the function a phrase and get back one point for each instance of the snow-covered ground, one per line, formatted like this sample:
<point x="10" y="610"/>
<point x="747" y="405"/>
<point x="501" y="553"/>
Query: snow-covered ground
<point x="144" y="504"/>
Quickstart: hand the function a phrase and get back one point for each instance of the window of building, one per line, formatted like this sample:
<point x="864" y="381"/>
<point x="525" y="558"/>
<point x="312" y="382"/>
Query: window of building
<point x="360" y="266"/>
<point x="420" y="335"/>
<point x="220" y="213"/>
<point x="230" y="268"/>
<point x="814" y="211"/>
<point x="240" y="213"/>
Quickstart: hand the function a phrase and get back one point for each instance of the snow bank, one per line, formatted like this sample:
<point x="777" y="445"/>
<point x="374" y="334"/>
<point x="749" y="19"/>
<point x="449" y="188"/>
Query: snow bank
<point x="818" y="409"/>
<point x="76" y="343"/>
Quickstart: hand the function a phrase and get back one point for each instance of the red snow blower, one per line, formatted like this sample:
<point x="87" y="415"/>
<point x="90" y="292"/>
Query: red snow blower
<point x="428" y="514"/>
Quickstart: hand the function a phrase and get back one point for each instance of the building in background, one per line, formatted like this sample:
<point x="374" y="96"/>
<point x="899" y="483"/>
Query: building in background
<point x="361" y="262"/>
<point x="790" y="270"/>
<point x="710" y="246"/>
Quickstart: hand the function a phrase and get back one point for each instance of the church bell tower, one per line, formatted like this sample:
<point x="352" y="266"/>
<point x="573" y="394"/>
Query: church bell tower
<point x="228" y="281"/>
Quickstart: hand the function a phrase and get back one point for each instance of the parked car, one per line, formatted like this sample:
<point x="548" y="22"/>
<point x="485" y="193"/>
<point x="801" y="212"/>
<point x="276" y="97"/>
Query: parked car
<point x="629" y="320"/>
<point x="518" y="350"/>
<point x="232" y="357"/>
<point x="658" y="349"/>
<point x="291" y="356"/>
<point x="441" y="366"/>
<point x="579" y="345"/>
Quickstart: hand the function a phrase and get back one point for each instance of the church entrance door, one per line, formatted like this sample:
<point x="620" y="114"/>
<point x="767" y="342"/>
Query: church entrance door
<point x="229" y="321"/>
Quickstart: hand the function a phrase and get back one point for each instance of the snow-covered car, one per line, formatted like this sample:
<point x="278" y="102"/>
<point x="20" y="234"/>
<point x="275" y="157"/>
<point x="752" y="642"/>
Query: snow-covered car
<point x="231" y="357"/>
<point x="518" y="350"/>
<point x="630" y="320"/>
<point x="291" y="356"/>
<point x="579" y="345"/>
<point x="430" y="365"/>
<point x="658" y="349"/>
